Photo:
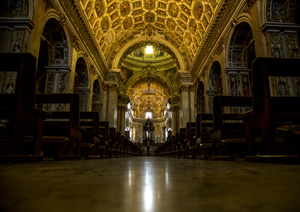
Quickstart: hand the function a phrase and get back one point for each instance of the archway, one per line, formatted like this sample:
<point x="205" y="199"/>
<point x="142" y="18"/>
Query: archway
<point x="215" y="83"/>
<point x="81" y="83"/>
<point x="96" y="101"/>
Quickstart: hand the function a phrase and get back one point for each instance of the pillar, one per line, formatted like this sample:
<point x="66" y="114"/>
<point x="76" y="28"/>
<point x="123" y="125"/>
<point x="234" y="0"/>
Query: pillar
<point x="113" y="77"/>
<point x="174" y="107"/>
<point x="123" y="100"/>
<point x="187" y="100"/>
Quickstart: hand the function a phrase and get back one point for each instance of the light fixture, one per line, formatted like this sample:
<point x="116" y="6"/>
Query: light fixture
<point x="149" y="49"/>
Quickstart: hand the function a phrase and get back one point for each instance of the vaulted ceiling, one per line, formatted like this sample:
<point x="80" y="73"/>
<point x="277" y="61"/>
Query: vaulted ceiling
<point x="181" y="23"/>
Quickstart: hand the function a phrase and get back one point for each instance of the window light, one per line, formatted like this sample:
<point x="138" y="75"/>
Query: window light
<point x="149" y="49"/>
<point x="148" y="115"/>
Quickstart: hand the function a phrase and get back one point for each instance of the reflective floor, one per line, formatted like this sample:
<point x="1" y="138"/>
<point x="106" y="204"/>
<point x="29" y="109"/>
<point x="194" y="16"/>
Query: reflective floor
<point x="149" y="184"/>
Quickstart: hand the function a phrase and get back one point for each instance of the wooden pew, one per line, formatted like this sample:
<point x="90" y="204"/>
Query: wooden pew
<point x="191" y="139"/>
<point x="112" y="141"/>
<point x="90" y="140"/>
<point x="118" y="146"/>
<point x="104" y="138"/>
<point x="269" y="113"/>
<point x="62" y="132"/>
<point x="18" y="115"/>
<point x="176" y="146"/>
<point x="228" y="132"/>
<point x="204" y="122"/>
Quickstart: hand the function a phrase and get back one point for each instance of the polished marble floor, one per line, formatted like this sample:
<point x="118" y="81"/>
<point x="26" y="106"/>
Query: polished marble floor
<point x="144" y="184"/>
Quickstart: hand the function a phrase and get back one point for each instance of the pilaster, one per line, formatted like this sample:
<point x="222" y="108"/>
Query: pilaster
<point x="187" y="100"/>
<point x="123" y="100"/>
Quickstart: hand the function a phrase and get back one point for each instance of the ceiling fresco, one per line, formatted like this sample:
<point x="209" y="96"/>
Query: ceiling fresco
<point x="181" y="23"/>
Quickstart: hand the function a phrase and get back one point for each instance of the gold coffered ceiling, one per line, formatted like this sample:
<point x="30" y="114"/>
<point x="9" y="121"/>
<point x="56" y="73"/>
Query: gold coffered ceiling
<point x="181" y="23"/>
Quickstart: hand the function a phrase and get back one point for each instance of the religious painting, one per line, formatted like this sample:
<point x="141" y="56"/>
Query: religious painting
<point x="198" y="9"/>
<point x="149" y="17"/>
<point x="104" y="24"/>
<point x="170" y="24"/>
<point x="193" y="25"/>
<point x="281" y="10"/>
<point x="127" y="23"/>
<point x="159" y="52"/>
<point x="188" y="38"/>
<point x="173" y="9"/>
<point x="99" y="7"/>
<point x="125" y="8"/>
<point x="149" y="4"/>
<point x="278" y="7"/>
<point x="138" y="52"/>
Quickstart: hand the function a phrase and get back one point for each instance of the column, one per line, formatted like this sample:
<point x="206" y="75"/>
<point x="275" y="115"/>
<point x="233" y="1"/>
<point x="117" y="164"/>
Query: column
<point x="187" y="100"/>
<point x="174" y="106"/>
<point x="123" y="100"/>
<point x="113" y="77"/>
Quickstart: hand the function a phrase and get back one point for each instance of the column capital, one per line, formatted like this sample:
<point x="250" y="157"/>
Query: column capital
<point x="114" y="75"/>
<point x="112" y="85"/>
<point x="173" y="100"/>
<point x="123" y="100"/>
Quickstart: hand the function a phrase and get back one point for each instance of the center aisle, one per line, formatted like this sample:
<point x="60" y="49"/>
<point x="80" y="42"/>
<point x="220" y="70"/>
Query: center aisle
<point x="143" y="184"/>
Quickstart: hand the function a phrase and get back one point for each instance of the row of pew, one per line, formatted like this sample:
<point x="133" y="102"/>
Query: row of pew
<point x="267" y="130"/>
<point x="30" y="131"/>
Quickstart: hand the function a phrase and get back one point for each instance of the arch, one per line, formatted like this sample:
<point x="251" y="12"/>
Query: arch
<point x="81" y="83"/>
<point x="96" y="98"/>
<point x="53" y="14"/>
<point x="238" y="44"/>
<point x="118" y="57"/>
<point x="81" y="74"/>
<point x="163" y="77"/>
<point x="215" y="77"/>
<point x="54" y="56"/>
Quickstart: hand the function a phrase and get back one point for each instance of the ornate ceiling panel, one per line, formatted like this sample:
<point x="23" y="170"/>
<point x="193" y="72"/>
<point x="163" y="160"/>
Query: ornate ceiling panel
<point x="117" y="22"/>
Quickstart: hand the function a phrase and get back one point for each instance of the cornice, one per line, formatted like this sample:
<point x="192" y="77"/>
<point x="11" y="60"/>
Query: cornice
<point x="75" y="16"/>
<point x="225" y="13"/>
